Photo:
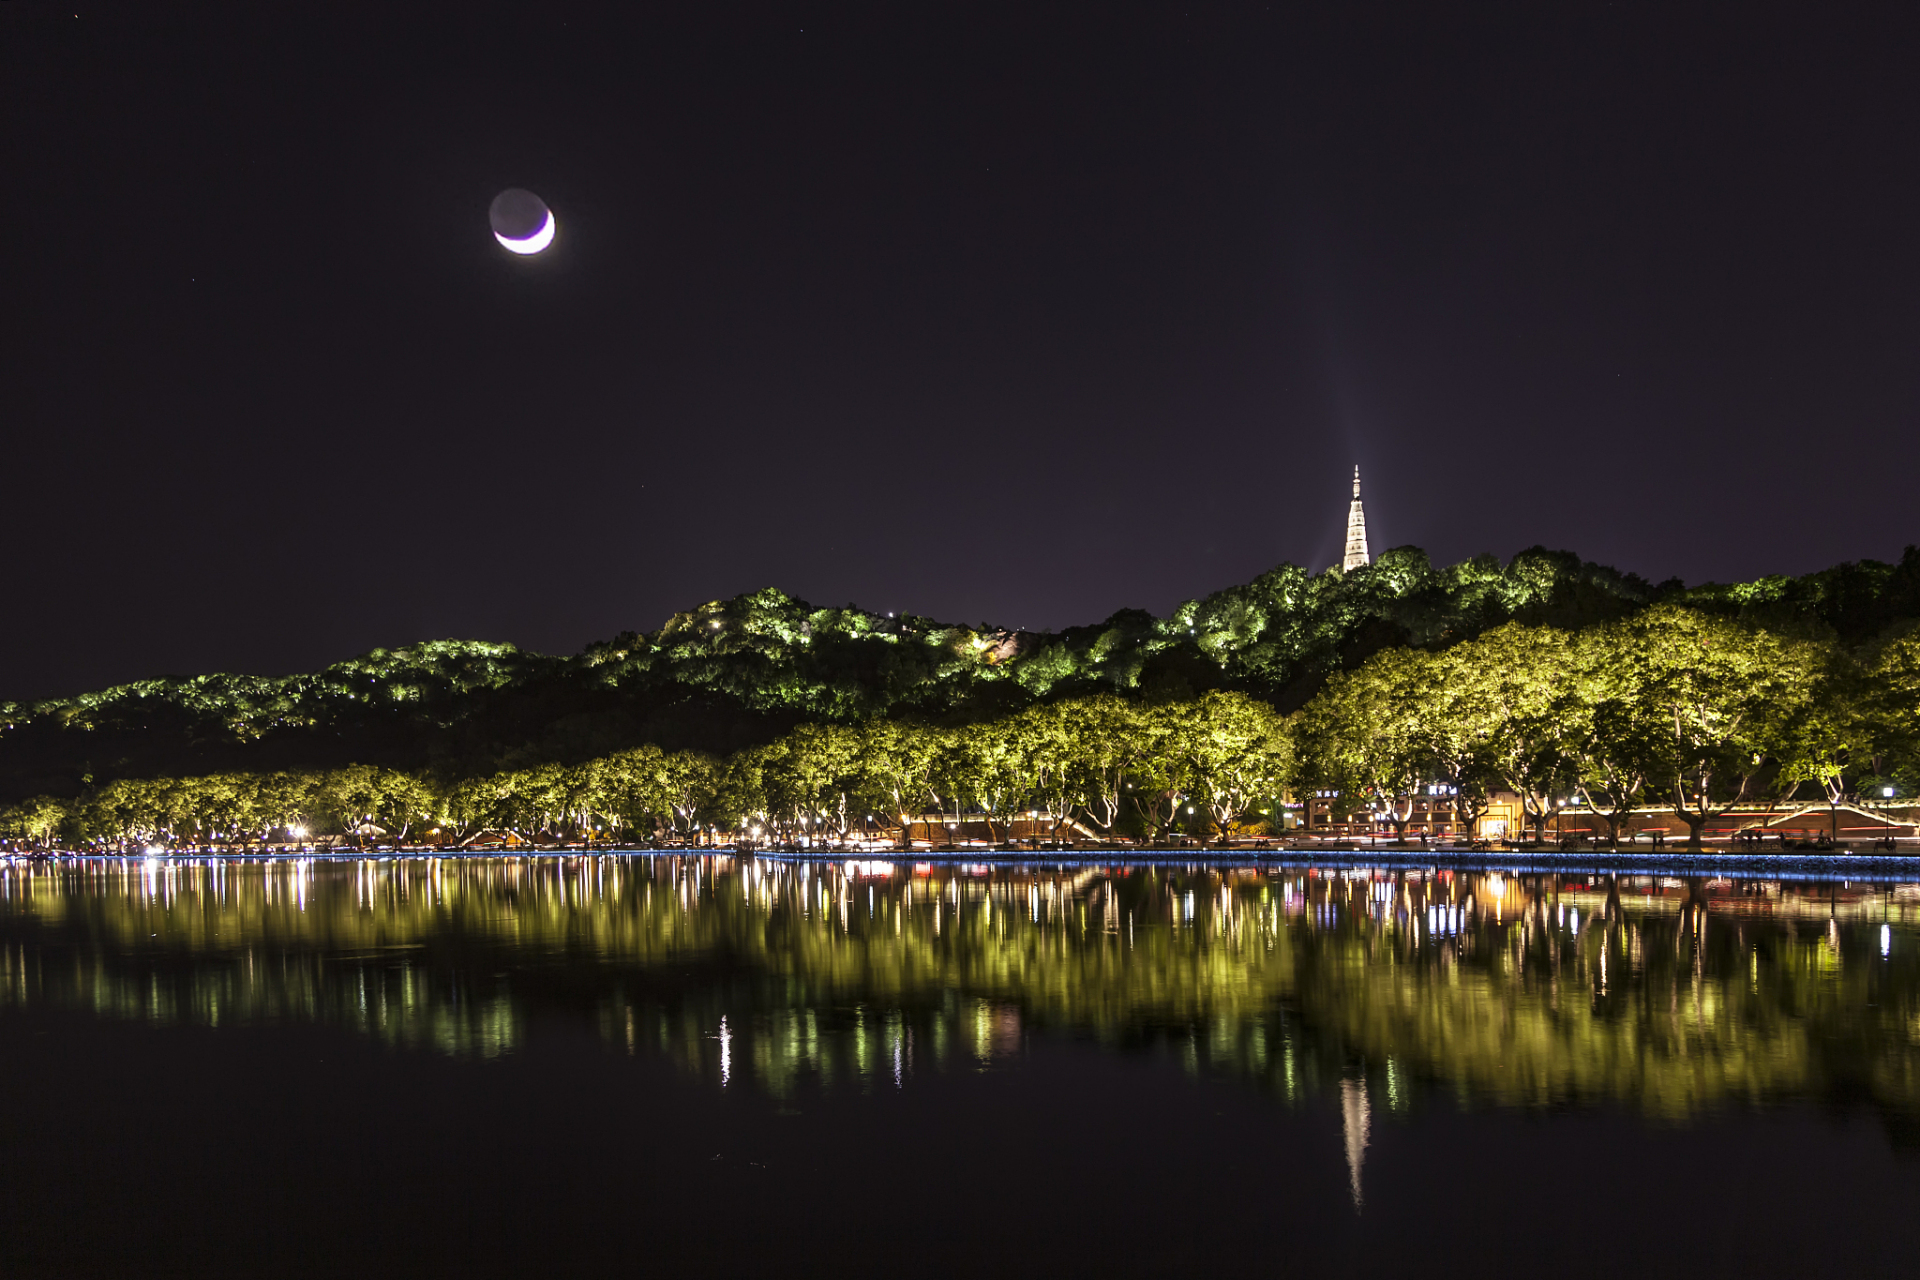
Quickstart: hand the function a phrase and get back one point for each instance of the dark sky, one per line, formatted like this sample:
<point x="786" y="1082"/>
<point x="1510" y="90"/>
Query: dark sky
<point x="1017" y="313"/>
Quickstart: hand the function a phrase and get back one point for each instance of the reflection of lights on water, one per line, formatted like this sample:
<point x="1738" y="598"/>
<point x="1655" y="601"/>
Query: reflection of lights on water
<point x="1241" y="908"/>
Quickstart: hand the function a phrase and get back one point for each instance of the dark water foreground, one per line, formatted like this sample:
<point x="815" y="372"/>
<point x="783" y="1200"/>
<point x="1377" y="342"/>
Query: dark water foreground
<point x="716" y="1066"/>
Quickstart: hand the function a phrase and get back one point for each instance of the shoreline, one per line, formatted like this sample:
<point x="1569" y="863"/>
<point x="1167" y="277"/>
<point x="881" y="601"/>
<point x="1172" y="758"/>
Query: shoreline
<point x="1708" y="862"/>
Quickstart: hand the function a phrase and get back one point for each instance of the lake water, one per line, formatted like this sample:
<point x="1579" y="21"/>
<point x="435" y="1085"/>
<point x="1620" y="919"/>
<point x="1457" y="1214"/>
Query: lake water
<point x="717" y="1065"/>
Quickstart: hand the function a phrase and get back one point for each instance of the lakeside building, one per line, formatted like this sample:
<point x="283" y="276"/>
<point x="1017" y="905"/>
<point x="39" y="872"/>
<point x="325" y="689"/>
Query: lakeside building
<point x="1789" y="820"/>
<point x="1433" y="811"/>
<point x="936" y="830"/>
<point x="1436" y="813"/>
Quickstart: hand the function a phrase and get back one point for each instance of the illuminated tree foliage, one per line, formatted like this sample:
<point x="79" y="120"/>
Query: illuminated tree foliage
<point x="1889" y="703"/>
<point x="817" y="781"/>
<point x="1366" y="734"/>
<point x="1546" y="676"/>
<point x="1726" y="698"/>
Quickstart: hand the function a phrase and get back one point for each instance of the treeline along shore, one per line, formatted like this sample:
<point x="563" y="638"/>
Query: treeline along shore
<point x="1549" y="679"/>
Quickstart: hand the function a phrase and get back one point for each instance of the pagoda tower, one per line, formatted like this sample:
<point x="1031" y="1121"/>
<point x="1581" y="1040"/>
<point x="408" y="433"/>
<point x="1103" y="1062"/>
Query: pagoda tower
<point x="1356" y="530"/>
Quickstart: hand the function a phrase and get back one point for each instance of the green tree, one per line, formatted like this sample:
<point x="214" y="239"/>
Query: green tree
<point x="1363" y="734"/>
<point x="1107" y="737"/>
<point x="472" y="805"/>
<point x="1159" y="778"/>
<point x="743" y="784"/>
<point x="1238" y="752"/>
<point x="1056" y="759"/>
<point x="692" y="780"/>
<point x="1456" y="735"/>
<point x="822" y="777"/>
<point x="287" y="801"/>
<point x="37" y="820"/>
<point x="1825" y="737"/>
<point x="127" y="809"/>
<point x="897" y="762"/>
<point x="633" y="793"/>
<point x="990" y="769"/>
<point x="369" y="800"/>
<point x="1724" y="696"/>
<point x="1518" y="700"/>
<point x="1892" y="710"/>
<point x="1618" y="742"/>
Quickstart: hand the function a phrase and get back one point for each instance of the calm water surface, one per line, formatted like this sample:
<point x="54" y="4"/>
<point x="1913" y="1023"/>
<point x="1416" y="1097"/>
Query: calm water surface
<point x="730" y="1066"/>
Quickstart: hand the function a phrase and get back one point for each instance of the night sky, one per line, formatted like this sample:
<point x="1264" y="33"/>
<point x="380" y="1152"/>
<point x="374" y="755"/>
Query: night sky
<point x="1018" y="314"/>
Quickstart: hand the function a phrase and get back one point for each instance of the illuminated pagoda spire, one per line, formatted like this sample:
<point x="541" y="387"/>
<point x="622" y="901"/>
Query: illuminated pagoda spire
<point x="1356" y="530"/>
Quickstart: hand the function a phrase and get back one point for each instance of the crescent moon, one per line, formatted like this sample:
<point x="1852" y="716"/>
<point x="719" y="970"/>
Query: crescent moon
<point x="533" y="243"/>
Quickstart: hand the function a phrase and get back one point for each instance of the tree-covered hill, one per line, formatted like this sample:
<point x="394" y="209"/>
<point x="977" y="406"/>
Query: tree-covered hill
<point x="739" y="672"/>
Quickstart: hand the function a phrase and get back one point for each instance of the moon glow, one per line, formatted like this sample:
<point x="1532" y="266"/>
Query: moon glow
<point x="522" y="223"/>
<point x="533" y="243"/>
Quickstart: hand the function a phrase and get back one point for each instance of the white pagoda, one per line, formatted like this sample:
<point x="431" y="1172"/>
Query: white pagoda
<point x="1357" y="554"/>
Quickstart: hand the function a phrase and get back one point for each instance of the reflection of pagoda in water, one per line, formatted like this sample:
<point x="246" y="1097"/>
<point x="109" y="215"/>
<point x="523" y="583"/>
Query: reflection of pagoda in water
<point x="1355" y="1126"/>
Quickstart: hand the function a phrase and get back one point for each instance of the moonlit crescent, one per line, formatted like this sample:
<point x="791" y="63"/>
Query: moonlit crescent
<point x="533" y="243"/>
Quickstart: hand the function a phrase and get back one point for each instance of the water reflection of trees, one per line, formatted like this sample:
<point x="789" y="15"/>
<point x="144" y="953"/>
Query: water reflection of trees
<point x="1667" y="995"/>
